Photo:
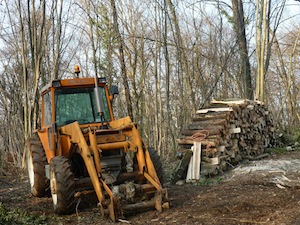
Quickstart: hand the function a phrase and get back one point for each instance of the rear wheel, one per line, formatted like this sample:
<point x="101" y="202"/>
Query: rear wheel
<point x="62" y="185"/>
<point x="36" y="161"/>
<point x="157" y="164"/>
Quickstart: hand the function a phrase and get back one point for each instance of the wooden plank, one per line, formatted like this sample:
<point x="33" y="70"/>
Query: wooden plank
<point x="193" y="173"/>
<point x="197" y="161"/>
<point x="191" y="142"/>
<point x="224" y="109"/>
<point x="229" y="102"/>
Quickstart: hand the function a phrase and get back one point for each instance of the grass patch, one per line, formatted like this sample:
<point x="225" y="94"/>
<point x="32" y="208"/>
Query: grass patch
<point x="17" y="216"/>
<point x="282" y="150"/>
<point x="208" y="181"/>
<point x="277" y="150"/>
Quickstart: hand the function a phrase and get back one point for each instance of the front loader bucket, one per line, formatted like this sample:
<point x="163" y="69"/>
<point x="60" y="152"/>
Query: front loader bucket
<point x="119" y="166"/>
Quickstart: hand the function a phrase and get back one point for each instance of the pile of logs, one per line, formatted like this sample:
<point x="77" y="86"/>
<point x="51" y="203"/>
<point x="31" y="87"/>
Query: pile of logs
<point x="234" y="130"/>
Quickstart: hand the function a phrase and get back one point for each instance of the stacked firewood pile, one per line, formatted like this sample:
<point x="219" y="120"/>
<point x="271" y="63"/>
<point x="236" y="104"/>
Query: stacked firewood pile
<point x="229" y="131"/>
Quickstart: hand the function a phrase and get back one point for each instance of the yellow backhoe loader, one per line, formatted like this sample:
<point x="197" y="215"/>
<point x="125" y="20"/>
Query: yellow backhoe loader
<point x="80" y="146"/>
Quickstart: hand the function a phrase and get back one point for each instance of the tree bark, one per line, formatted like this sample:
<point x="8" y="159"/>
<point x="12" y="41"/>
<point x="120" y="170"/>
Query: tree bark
<point x="57" y="53"/>
<point x="91" y="34"/>
<point x="239" y="25"/>
<point x="167" y="68"/>
<point x="261" y="32"/>
<point x="122" y="59"/>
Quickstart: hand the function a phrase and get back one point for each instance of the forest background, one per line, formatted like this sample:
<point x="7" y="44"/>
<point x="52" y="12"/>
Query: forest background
<point x="168" y="58"/>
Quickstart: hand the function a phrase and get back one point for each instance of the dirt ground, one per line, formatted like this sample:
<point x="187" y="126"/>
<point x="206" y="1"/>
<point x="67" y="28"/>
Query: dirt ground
<point x="257" y="192"/>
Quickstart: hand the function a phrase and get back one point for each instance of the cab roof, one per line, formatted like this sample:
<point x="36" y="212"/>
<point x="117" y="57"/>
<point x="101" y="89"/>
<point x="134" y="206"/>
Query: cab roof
<point x="73" y="83"/>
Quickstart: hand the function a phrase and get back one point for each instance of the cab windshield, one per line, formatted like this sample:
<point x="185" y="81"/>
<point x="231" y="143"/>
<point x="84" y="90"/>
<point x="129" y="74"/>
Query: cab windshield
<point x="74" y="104"/>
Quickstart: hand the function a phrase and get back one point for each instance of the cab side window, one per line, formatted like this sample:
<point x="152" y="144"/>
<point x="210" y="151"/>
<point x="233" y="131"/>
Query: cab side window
<point x="47" y="109"/>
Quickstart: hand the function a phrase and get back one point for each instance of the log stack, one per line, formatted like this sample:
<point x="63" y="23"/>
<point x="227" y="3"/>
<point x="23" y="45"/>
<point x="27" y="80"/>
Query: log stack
<point x="235" y="130"/>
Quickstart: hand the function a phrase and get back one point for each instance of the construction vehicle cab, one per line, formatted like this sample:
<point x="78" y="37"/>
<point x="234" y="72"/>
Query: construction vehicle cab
<point x="80" y="146"/>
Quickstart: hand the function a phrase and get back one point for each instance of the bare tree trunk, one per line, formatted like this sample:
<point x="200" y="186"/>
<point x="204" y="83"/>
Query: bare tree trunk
<point x="167" y="68"/>
<point x="183" y="61"/>
<point x="31" y="83"/>
<point x="36" y="49"/>
<point x="122" y="59"/>
<point x="158" y="103"/>
<point x="39" y="43"/>
<point x="57" y="40"/>
<point x="263" y="41"/>
<point x="262" y="52"/>
<point x="239" y="24"/>
<point x="261" y="20"/>
<point x="24" y="71"/>
<point x="290" y="80"/>
<point x="258" y="17"/>
<point x="261" y="36"/>
<point x="91" y="35"/>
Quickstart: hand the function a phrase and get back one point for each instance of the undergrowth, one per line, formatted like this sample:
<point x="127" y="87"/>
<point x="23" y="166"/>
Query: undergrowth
<point x="296" y="135"/>
<point x="17" y="216"/>
<point x="277" y="150"/>
<point x="208" y="181"/>
<point x="286" y="141"/>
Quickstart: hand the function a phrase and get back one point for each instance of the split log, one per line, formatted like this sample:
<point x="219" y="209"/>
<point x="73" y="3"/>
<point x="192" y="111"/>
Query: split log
<point x="225" y="109"/>
<point x="211" y="116"/>
<point x="204" y="123"/>
<point x="211" y="130"/>
<point x="191" y="142"/>
<point x="230" y="102"/>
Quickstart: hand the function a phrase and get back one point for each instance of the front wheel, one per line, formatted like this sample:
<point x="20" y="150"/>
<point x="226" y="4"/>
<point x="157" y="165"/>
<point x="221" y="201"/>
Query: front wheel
<point x="36" y="161"/>
<point x="62" y="185"/>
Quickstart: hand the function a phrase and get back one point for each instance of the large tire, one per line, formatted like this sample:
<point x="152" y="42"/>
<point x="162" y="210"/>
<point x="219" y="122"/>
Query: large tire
<point x="62" y="185"/>
<point x="157" y="164"/>
<point x="36" y="161"/>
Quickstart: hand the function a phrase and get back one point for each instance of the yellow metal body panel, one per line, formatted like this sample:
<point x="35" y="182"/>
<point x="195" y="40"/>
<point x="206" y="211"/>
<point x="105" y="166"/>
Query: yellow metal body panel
<point x="76" y="136"/>
<point x="46" y="142"/>
<point x="65" y="144"/>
